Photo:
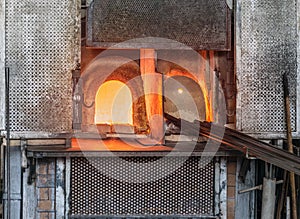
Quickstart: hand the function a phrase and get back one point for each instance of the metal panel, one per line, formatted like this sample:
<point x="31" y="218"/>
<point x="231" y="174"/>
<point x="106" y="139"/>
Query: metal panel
<point x="266" y="49"/>
<point x="42" y="48"/>
<point x="198" y="24"/>
<point x="188" y="191"/>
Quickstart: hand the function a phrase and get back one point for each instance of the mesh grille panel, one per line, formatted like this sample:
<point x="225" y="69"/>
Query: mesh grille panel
<point x="41" y="38"/>
<point x="187" y="191"/>
<point x="199" y="24"/>
<point x="269" y="49"/>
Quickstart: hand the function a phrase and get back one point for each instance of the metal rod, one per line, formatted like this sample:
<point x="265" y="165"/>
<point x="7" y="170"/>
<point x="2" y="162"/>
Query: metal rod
<point x="290" y="144"/>
<point x="259" y="187"/>
<point x="7" y="141"/>
<point x="243" y="143"/>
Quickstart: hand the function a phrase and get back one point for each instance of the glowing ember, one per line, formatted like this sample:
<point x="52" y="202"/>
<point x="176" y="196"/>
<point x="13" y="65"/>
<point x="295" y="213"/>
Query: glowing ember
<point x="113" y="104"/>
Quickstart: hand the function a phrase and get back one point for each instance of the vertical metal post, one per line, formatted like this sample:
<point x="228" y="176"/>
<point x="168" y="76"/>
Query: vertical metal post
<point x="77" y="100"/>
<point x="7" y="182"/>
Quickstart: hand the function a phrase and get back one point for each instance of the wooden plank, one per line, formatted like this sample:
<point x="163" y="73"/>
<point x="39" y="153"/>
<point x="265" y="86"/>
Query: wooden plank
<point x="30" y="200"/>
<point x="245" y="202"/>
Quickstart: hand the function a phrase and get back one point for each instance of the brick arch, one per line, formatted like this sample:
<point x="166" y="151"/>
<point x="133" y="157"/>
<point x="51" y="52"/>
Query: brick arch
<point x="119" y="68"/>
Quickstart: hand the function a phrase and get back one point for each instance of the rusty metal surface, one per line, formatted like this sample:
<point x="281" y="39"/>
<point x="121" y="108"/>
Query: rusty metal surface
<point x="42" y="48"/>
<point x="94" y="193"/>
<point x="198" y="24"/>
<point x="267" y="47"/>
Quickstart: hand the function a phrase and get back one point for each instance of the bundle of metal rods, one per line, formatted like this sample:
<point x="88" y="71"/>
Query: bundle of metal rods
<point x="241" y="142"/>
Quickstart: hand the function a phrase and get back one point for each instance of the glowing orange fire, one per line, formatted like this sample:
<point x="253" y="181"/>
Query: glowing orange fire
<point x="113" y="104"/>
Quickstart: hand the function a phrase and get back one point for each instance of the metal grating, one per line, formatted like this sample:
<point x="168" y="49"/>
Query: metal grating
<point x="269" y="49"/>
<point x="41" y="51"/>
<point x="198" y="24"/>
<point x="188" y="191"/>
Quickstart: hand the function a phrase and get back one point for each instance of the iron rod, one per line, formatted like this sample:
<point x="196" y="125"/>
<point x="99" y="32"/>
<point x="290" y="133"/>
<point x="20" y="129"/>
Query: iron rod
<point x="7" y="142"/>
<point x="243" y="143"/>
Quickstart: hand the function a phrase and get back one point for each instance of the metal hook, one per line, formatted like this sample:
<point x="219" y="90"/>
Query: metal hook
<point x="85" y="105"/>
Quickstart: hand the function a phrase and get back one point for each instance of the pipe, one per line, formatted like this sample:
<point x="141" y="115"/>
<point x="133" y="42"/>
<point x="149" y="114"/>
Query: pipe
<point x="7" y="142"/>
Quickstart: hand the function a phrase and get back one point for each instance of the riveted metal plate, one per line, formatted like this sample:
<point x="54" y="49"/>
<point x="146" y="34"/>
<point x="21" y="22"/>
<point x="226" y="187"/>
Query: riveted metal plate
<point x="187" y="191"/>
<point x="198" y="24"/>
<point x="42" y="48"/>
<point x="268" y="50"/>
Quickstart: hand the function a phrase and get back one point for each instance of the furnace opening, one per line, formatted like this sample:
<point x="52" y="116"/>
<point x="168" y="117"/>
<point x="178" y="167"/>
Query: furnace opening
<point x="113" y="104"/>
<point x="188" y="95"/>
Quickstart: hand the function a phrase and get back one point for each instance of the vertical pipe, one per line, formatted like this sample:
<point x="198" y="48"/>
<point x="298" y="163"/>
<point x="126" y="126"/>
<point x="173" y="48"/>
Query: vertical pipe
<point x="7" y="142"/>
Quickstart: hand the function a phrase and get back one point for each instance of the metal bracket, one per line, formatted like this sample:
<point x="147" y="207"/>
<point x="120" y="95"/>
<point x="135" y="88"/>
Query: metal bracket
<point x="248" y="156"/>
<point x="84" y="104"/>
<point x="24" y="161"/>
